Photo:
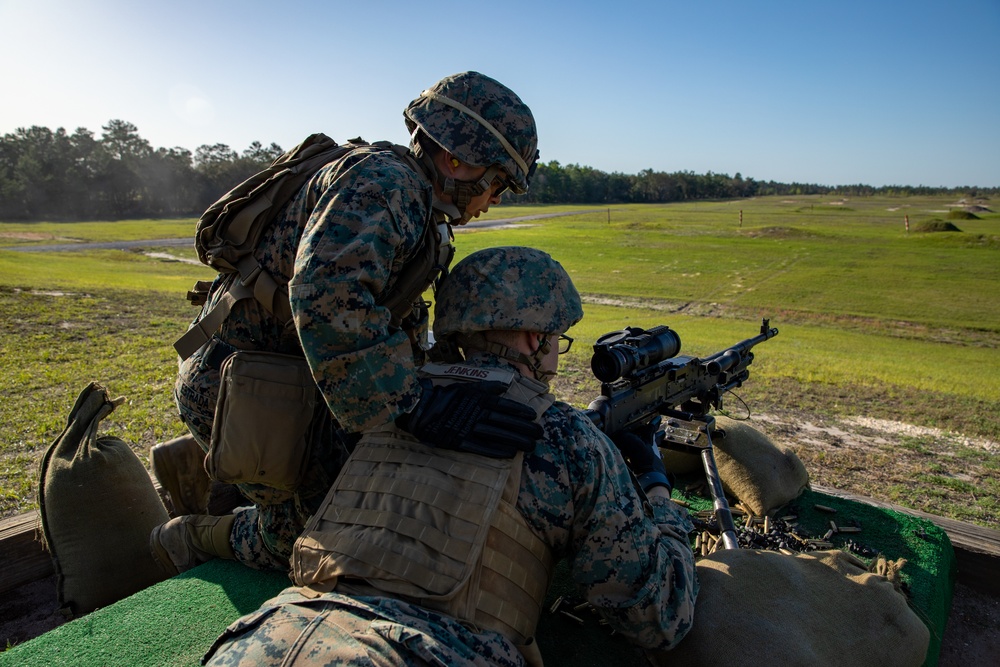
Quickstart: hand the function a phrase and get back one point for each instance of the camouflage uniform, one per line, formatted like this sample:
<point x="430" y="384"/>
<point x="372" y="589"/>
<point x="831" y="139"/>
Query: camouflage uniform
<point x="338" y="244"/>
<point x="630" y="556"/>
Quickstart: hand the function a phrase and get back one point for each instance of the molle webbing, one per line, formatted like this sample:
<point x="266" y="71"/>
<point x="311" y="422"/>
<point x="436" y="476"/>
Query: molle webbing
<point x="515" y="572"/>
<point x="368" y="528"/>
<point x="435" y="527"/>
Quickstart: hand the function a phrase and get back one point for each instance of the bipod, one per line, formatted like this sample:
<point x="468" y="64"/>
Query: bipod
<point x="687" y="432"/>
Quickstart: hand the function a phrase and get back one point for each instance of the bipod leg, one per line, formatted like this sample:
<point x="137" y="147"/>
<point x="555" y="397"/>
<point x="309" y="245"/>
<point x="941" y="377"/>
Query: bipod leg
<point x="694" y="432"/>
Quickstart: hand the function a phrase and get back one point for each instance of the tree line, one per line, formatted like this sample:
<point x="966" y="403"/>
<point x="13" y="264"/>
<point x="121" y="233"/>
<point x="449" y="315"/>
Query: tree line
<point x="54" y="175"/>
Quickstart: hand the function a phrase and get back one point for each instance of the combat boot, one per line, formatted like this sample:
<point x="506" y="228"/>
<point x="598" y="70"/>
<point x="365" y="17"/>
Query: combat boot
<point x="179" y="466"/>
<point x="187" y="541"/>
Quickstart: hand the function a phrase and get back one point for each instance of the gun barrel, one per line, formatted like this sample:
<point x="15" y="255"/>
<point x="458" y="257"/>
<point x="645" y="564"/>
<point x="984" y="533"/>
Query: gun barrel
<point x="731" y="356"/>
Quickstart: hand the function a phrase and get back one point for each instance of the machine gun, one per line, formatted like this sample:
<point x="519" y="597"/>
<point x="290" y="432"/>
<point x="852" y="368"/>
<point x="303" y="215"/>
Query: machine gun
<point x="643" y="379"/>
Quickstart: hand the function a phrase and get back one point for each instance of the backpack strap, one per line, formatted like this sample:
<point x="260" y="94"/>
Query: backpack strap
<point x="257" y="285"/>
<point x="229" y="230"/>
<point x="203" y="329"/>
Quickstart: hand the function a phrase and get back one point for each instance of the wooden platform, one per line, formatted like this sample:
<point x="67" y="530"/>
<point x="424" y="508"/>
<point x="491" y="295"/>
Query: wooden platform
<point x="976" y="562"/>
<point x="149" y="619"/>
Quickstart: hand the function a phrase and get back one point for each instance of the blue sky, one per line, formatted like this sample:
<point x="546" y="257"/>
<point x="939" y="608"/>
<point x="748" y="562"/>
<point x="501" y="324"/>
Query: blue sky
<point x="879" y="92"/>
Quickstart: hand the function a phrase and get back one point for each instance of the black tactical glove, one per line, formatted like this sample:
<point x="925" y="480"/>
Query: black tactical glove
<point x="642" y="455"/>
<point x="472" y="417"/>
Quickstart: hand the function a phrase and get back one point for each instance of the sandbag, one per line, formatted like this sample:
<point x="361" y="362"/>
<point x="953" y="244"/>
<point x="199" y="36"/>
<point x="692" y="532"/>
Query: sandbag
<point x="820" y="608"/>
<point x="754" y="470"/>
<point x="97" y="506"/>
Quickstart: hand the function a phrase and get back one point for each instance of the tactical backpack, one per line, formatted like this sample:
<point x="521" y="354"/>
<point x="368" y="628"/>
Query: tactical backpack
<point x="228" y="233"/>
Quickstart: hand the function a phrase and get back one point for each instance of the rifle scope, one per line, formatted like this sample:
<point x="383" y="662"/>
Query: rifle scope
<point x="620" y="352"/>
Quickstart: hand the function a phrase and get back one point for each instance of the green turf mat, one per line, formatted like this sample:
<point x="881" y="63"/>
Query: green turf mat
<point x="175" y="621"/>
<point x="171" y="623"/>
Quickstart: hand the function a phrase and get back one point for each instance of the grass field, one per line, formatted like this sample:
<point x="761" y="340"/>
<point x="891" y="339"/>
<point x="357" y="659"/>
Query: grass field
<point x="884" y="377"/>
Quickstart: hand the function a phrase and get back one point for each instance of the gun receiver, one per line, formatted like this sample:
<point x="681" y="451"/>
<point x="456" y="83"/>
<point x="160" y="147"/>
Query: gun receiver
<point x="643" y="377"/>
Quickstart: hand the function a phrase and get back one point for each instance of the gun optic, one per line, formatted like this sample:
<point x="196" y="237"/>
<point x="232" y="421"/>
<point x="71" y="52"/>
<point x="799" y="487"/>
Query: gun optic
<point x="621" y="352"/>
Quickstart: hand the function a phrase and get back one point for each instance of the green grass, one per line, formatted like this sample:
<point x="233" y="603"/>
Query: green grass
<point x="54" y="343"/>
<point x="874" y="321"/>
<point x="782" y="259"/>
<point x="41" y="233"/>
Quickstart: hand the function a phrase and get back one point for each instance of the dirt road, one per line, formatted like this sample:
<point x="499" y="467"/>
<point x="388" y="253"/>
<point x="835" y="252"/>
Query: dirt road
<point x="188" y="242"/>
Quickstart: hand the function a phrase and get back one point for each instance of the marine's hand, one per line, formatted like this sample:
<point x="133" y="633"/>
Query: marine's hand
<point x="472" y="417"/>
<point x="642" y="455"/>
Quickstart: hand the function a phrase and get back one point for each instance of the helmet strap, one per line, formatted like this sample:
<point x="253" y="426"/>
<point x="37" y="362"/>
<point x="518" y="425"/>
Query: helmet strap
<point x="478" y="342"/>
<point x="463" y="192"/>
<point x="538" y="356"/>
<point x="460" y="192"/>
<point x="422" y="160"/>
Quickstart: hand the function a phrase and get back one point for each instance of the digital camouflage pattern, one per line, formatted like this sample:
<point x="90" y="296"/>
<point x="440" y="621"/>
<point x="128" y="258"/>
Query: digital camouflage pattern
<point x="334" y="629"/>
<point x="630" y="557"/>
<point x="340" y="245"/>
<point x="465" y="136"/>
<point x="509" y="288"/>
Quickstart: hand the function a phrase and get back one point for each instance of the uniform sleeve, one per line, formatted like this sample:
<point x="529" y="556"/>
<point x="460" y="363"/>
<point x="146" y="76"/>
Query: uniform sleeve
<point x="368" y="219"/>
<point x="631" y="558"/>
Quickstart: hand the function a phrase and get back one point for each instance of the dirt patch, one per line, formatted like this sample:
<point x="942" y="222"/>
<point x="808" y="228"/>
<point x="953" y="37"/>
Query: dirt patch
<point x="899" y="428"/>
<point x="29" y="611"/>
<point x="861" y="432"/>
<point x="26" y="236"/>
<point x="777" y="233"/>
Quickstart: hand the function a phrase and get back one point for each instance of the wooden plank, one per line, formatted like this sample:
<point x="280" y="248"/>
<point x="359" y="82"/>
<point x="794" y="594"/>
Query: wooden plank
<point x="967" y="536"/>
<point x="24" y="559"/>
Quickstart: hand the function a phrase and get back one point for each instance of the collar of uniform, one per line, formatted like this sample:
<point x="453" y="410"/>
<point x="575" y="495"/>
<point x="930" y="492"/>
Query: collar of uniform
<point x="450" y="211"/>
<point x="424" y="166"/>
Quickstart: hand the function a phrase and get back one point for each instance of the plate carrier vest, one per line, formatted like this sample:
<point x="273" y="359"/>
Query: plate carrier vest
<point x="435" y="527"/>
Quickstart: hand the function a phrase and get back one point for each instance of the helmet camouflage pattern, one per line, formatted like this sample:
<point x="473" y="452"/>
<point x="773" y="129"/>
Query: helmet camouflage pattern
<point x="481" y="122"/>
<point x="506" y="289"/>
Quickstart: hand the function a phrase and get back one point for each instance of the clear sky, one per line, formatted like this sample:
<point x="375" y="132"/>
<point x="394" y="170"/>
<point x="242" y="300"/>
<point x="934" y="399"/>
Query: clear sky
<point x="882" y="92"/>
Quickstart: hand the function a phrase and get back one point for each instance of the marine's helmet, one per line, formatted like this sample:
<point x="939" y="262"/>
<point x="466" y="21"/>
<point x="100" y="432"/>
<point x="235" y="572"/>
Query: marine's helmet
<point x="481" y="122"/>
<point x="510" y="288"/>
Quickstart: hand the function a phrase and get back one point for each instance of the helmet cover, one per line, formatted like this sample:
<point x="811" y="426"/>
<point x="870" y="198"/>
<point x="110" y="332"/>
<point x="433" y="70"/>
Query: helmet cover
<point x="481" y="122"/>
<point x="509" y="288"/>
